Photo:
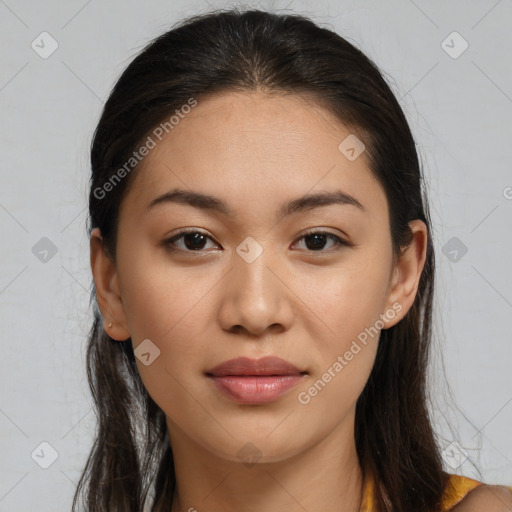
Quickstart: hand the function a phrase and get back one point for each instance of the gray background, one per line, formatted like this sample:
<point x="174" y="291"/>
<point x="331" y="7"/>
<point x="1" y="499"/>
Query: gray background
<point x="459" y="108"/>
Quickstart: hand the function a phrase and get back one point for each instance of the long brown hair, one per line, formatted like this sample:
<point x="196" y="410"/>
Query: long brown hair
<point x="130" y="466"/>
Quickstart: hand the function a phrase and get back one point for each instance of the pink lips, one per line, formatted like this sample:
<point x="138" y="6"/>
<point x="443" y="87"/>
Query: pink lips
<point x="255" y="381"/>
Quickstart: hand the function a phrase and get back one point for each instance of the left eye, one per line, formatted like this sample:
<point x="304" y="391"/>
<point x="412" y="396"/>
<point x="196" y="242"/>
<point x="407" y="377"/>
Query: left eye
<point x="194" y="241"/>
<point x="318" y="238"/>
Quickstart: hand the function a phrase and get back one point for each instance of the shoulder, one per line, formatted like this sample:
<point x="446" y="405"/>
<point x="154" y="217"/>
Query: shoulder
<point x="488" y="498"/>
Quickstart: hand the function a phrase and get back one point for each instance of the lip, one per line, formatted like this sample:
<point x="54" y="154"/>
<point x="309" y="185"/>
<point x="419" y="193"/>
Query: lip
<point x="246" y="366"/>
<point x="255" y="381"/>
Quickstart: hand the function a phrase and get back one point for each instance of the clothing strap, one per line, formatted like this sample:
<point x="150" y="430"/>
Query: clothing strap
<point x="456" y="489"/>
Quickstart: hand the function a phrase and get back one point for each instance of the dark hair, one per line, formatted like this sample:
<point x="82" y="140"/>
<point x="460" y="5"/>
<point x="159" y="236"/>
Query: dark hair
<point x="131" y="462"/>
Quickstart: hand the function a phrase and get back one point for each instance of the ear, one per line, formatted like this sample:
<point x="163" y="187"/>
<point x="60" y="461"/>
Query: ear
<point x="406" y="275"/>
<point x="107" y="289"/>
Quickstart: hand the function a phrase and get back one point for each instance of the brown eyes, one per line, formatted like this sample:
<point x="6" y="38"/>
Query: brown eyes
<point x="193" y="240"/>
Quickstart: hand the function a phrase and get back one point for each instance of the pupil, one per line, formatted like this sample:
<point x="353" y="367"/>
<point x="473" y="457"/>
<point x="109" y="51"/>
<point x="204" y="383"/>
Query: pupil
<point x="197" y="238"/>
<point x="316" y="237"/>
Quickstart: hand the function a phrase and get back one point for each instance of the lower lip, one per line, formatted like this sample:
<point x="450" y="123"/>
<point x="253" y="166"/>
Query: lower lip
<point x="253" y="389"/>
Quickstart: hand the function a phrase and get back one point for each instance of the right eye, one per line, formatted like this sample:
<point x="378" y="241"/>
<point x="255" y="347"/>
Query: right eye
<point x="193" y="241"/>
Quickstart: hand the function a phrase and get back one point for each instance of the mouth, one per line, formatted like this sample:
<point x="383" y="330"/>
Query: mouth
<point x="255" y="381"/>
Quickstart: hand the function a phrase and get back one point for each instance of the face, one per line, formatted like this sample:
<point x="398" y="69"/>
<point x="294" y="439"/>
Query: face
<point x="312" y="284"/>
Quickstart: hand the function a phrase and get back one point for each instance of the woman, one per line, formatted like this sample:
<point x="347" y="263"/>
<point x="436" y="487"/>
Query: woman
<point x="264" y="271"/>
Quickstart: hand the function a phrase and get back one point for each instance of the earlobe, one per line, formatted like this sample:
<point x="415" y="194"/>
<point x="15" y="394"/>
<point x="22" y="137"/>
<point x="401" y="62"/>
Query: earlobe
<point x="107" y="289"/>
<point x="407" y="273"/>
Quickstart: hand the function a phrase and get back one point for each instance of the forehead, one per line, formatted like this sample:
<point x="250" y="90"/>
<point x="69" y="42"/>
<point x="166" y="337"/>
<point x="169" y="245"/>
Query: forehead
<point x="252" y="147"/>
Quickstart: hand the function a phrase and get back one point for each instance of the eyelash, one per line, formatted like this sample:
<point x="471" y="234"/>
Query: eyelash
<point x="169" y="243"/>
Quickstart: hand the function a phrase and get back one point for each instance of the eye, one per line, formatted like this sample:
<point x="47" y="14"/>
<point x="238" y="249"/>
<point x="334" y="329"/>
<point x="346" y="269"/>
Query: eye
<point x="193" y="240"/>
<point x="316" y="240"/>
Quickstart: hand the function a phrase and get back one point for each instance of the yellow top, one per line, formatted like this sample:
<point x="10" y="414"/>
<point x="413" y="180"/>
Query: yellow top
<point x="456" y="489"/>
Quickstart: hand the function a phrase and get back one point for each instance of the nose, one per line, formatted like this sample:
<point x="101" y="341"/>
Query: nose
<point x="256" y="297"/>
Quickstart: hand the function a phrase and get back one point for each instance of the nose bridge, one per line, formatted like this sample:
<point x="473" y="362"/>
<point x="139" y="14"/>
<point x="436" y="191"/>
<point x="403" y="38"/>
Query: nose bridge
<point x="251" y="265"/>
<point x="256" y="298"/>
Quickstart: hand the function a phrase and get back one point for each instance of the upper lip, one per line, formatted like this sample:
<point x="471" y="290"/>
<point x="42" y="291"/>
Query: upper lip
<point x="247" y="366"/>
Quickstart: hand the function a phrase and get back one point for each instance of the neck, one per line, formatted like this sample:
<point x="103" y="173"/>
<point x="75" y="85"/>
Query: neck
<point x="324" y="476"/>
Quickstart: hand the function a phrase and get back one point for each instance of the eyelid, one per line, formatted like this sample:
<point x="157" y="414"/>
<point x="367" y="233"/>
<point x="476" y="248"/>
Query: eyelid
<point x="320" y="230"/>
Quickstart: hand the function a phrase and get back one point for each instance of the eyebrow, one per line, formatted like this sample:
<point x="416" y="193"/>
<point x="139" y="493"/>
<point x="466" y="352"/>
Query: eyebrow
<point x="300" y="204"/>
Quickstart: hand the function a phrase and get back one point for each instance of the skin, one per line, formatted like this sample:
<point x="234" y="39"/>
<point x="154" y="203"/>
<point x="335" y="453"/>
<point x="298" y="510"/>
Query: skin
<point x="488" y="498"/>
<point x="200" y="308"/>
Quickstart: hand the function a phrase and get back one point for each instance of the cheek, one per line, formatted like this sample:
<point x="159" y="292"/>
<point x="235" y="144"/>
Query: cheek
<point x="346" y="299"/>
<point x="160" y="298"/>
<point x="351" y="306"/>
<point x="332" y="393"/>
<point x="350" y="303"/>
